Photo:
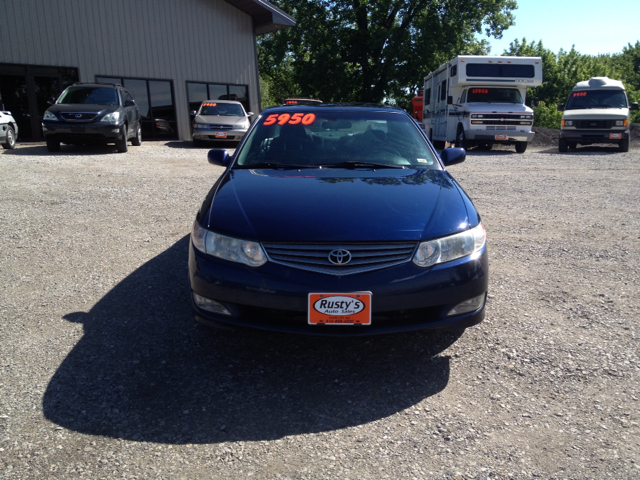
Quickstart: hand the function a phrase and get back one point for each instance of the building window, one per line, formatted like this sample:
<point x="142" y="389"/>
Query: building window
<point x="198" y="92"/>
<point x="155" y="102"/>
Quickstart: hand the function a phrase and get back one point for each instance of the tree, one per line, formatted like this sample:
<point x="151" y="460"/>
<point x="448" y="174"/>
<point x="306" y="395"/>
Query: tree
<point x="370" y="50"/>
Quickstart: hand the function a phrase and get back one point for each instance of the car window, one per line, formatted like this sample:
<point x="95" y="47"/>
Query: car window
<point x="90" y="95"/>
<point x="308" y="138"/>
<point x="497" y="95"/>
<point x="597" y="99"/>
<point x="222" y="109"/>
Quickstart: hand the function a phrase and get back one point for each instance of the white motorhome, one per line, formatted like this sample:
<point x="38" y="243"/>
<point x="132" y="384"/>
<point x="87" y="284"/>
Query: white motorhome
<point x="597" y="111"/>
<point x="479" y="100"/>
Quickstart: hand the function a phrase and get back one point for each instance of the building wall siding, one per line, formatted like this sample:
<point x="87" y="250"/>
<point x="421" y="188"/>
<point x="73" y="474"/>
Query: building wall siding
<point x="186" y="40"/>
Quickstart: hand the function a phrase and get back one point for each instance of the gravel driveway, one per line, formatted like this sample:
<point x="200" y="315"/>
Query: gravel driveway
<point x="104" y="373"/>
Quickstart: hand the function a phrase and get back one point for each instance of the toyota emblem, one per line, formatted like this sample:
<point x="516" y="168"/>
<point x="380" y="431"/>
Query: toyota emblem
<point x="340" y="257"/>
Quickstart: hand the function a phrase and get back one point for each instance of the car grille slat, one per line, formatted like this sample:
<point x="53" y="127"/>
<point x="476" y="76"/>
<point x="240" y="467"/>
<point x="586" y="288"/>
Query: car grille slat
<point x="594" y="124"/>
<point x="364" y="257"/>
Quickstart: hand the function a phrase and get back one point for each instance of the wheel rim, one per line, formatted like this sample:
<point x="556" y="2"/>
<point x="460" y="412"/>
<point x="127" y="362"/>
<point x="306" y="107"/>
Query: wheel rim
<point x="10" y="139"/>
<point x="139" y="135"/>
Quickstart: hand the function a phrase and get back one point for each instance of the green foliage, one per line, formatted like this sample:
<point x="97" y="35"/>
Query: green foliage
<point x="367" y="51"/>
<point x="546" y="116"/>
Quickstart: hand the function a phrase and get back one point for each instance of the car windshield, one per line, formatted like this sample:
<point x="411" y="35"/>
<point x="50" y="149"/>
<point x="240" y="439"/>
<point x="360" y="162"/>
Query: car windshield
<point x="494" y="95"/>
<point x="90" y="95"/>
<point x="597" y="99"/>
<point x="302" y="138"/>
<point x="222" y="109"/>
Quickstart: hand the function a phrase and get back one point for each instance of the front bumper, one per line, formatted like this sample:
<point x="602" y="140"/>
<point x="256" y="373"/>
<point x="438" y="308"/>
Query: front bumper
<point x="585" y="137"/>
<point x="275" y="297"/>
<point x="209" y="135"/>
<point x="66" y="132"/>
<point x="501" y="136"/>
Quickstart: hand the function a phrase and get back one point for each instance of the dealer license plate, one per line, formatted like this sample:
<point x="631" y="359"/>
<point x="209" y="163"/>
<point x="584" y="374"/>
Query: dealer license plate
<point x="340" y="308"/>
<point x="501" y="137"/>
<point x="221" y="134"/>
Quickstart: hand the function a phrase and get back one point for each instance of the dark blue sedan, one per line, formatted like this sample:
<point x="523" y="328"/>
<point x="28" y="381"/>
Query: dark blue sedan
<point x="338" y="220"/>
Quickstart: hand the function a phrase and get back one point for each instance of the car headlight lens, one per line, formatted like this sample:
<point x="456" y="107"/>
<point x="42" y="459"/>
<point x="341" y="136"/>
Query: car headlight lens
<point x="567" y="123"/>
<point x="111" y="117"/>
<point x="622" y="123"/>
<point x="450" y="248"/>
<point x="49" y="116"/>
<point x="228" y="248"/>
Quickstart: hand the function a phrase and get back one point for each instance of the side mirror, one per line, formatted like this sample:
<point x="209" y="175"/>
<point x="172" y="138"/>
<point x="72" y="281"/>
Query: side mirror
<point x="219" y="156"/>
<point x="129" y="103"/>
<point x="51" y="100"/>
<point x="634" y="106"/>
<point x="193" y="113"/>
<point x="451" y="156"/>
<point x="561" y="107"/>
<point x="449" y="100"/>
<point x="249" y="114"/>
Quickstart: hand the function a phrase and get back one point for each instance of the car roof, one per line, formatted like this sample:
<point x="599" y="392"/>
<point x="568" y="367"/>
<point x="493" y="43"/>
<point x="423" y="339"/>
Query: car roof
<point x="222" y="101"/>
<point x="96" y="84"/>
<point x="342" y="107"/>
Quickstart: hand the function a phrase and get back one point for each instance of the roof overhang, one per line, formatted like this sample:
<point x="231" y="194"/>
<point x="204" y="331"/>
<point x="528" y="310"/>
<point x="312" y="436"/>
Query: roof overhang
<point x="266" y="17"/>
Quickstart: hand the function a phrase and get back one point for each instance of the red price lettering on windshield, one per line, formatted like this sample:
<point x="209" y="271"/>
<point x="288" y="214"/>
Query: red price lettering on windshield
<point x="580" y="94"/>
<point x="208" y="104"/>
<point x="285" y="118"/>
<point x="479" y="90"/>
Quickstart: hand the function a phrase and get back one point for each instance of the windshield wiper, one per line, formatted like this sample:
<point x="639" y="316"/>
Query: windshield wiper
<point x="275" y="166"/>
<point x="355" y="164"/>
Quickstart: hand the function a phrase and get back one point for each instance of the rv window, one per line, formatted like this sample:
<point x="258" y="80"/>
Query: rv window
<point x="427" y="97"/>
<point x="443" y="90"/>
<point x="500" y="70"/>
<point x="454" y="70"/>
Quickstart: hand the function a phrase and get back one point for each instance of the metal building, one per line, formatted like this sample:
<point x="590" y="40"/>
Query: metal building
<point x="169" y="54"/>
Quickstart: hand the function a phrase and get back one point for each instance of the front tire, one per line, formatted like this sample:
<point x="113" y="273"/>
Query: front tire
<point x="521" y="147"/>
<point x="10" y="143"/>
<point x="53" y="145"/>
<point x="623" y="146"/>
<point x="121" y="141"/>
<point x="562" y="145"/>
<point x="137" y="140"/>
<point x="461" y="139"/>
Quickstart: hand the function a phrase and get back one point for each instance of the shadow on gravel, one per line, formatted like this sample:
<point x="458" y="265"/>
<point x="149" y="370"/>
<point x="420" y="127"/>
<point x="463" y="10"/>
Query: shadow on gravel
<point x="586" y="150"/>
<point x="145" y="370"/>
<point x="189" y="145"/>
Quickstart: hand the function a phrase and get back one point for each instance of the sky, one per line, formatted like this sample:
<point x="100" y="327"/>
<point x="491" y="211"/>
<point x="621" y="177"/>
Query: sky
<point x="594" y="27"/>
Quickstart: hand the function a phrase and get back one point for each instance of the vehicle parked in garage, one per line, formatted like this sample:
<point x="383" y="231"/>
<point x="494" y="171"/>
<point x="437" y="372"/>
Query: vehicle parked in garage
<point x="338" y="220"/>
<point x="92" y="113"/>
<point x="597" y="111"/>
<point x="8" y="130"/>
<point x="219" y="120"/>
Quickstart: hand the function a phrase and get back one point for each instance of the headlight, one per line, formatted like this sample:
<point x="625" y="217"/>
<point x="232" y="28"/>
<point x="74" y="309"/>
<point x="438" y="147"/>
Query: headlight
<point x="450" y="248"/>
<point x="622" y="123"/>
<point x="227" y="248"/>
<point x="49" y="116"/>
<point x="567" y="123"/>
<point x="111" y="117"/>
<point x="475" y="115"/>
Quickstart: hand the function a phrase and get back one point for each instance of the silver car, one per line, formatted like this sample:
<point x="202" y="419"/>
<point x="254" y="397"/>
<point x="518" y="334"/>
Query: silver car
<point x="219" y="120"/>
<point x="8" y="130"/>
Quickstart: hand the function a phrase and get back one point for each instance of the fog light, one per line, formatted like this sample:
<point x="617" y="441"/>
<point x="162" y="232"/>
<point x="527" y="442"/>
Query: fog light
<point x="210" y="305"/>
<point x="467" y="306"/>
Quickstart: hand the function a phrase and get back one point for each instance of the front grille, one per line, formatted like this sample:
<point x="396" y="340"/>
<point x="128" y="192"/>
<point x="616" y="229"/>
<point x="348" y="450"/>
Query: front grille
<point x="215" y="126"/>
<point x="501" y="128"/>
<point x="365" y="257"/>
<point x="594" y="124"/>
<point x="78" y="116"/>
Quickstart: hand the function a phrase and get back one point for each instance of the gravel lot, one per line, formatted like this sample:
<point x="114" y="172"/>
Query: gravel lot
<point x="104" y="373"/>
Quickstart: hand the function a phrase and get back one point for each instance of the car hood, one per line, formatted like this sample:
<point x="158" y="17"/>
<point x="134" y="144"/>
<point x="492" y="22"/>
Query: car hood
<point x="596" y="114"/>
<point x="84" y="107"/>
<point x="329" y="205"/>
<point x="221" y="119"/>
<point x="495" y="107"/>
